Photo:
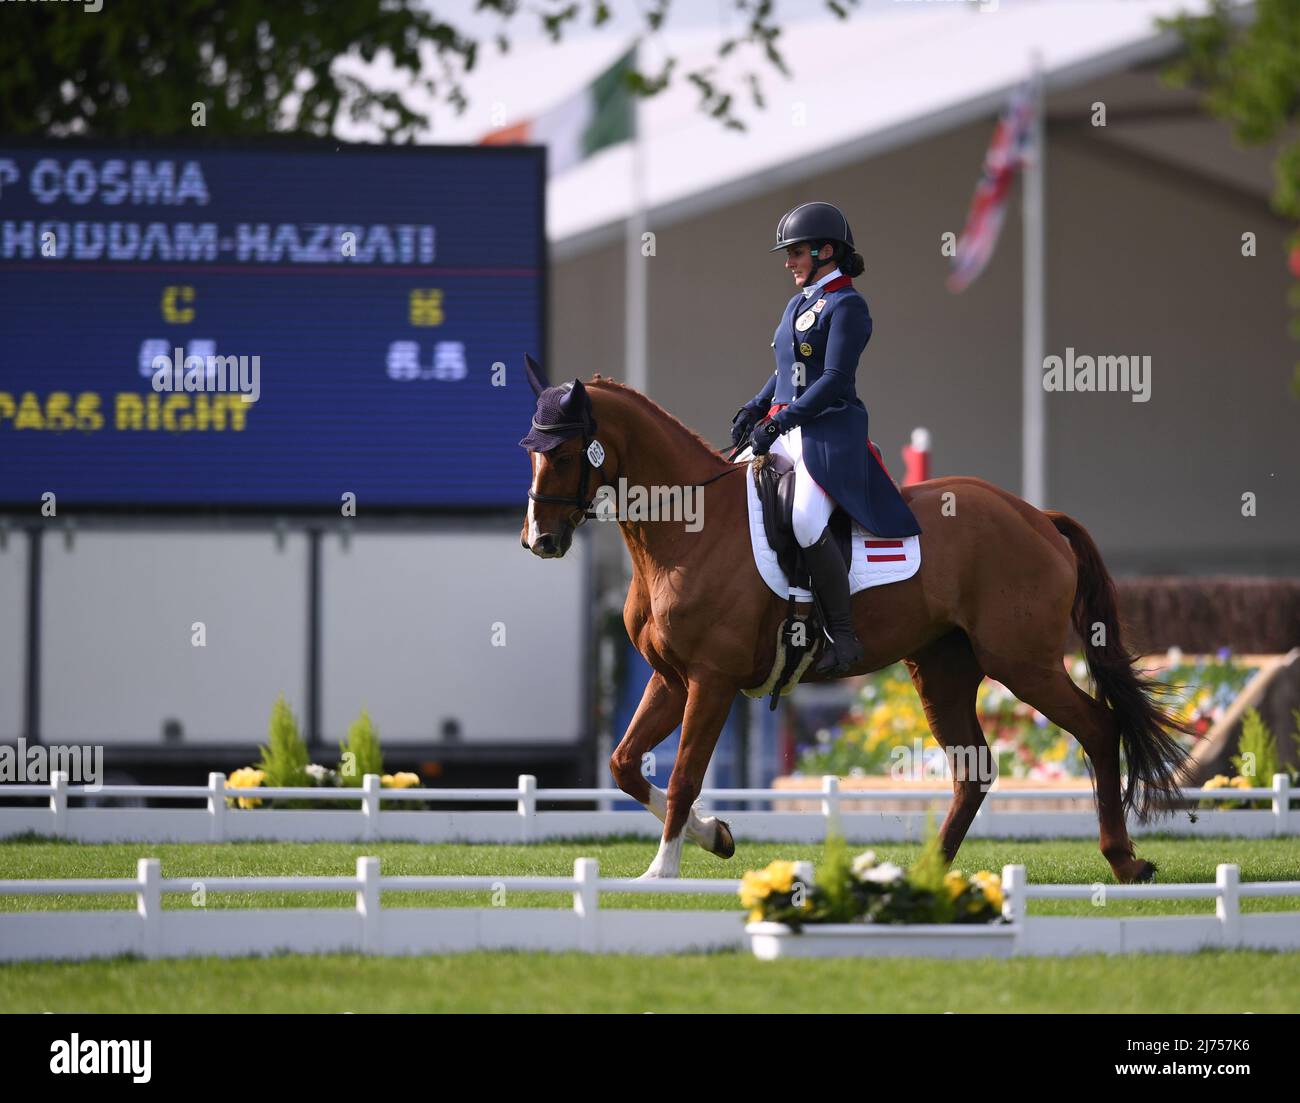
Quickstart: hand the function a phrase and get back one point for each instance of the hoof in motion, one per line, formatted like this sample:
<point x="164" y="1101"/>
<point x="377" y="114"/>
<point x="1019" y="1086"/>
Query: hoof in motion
<point x="1143" y="873"/>
<point x="724" y="846"/>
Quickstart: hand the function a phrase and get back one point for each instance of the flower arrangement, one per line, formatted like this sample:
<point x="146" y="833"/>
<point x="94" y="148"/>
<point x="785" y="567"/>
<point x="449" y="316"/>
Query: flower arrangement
<point x="285" y="763"/>
<point x="887" y="719"/>
<point x="774" y="894"/>
<point x="865" y="890"/>
<point x="1256" y="761"/>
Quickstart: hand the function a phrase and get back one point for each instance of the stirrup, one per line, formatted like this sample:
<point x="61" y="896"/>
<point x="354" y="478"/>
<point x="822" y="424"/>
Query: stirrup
<point x="829" y="661"/>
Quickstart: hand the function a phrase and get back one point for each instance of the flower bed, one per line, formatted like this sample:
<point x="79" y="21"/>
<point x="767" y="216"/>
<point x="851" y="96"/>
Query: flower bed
<point x="864" y="906"/>
<point x="885" y="733"/>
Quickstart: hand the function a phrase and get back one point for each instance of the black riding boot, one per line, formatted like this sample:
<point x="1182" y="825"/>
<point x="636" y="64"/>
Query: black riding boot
<point x="830" y="579"/>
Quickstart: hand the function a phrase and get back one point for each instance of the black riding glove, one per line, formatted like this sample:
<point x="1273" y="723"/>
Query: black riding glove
<point x="763" y="436"/>
<point x="742" y="423"/>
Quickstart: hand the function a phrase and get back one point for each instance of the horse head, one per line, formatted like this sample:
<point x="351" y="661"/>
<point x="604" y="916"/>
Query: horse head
<point x="568" y="463"/>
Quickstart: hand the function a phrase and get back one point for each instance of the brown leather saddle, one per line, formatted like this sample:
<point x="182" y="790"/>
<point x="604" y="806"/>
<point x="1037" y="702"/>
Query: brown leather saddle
<point x="774" y="478"/>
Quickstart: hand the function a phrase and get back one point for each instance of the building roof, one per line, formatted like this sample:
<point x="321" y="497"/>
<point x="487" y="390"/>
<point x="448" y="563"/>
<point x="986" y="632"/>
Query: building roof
<point x="879" y="80"/>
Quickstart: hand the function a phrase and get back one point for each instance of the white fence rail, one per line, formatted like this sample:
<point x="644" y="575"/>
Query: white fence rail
<point x="150" y="931"/>
<point x="215" y="822"/>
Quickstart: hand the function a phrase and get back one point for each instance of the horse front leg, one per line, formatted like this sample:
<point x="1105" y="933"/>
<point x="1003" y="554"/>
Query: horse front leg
<point x="708" y="701"/>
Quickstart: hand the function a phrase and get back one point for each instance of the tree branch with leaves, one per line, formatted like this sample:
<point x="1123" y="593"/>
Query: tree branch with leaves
<point x="138" y="69"/>
<point x="1246" y="64"/>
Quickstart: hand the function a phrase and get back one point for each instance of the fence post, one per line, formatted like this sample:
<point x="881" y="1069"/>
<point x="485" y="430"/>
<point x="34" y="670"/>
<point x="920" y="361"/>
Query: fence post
<point x="586" y="901"/>
<point x="1281" y="802"/>
<point x="59" y="804"/>
<point x="527" y="806"/>
<point x="148" y="905"/>
<point x="217" y="808"/>
<point x="368" y="906"/>
<point x="370" y="806"/>
<point x="1013" y="894"/>
<point x="831" y="803"/>
<point x="1227" y="905"/>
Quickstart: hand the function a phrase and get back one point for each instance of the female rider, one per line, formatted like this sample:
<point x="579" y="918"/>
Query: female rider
<point x="809" y="411"/>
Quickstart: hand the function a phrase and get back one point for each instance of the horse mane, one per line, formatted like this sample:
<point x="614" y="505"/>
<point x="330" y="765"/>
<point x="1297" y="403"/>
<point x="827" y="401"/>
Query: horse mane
<point x="651" y="406"/>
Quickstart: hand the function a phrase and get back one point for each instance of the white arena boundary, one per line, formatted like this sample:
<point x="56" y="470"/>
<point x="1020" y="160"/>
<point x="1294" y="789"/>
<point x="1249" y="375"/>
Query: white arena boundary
<point x="150" y="931"/>
<point x="65" y="816"/>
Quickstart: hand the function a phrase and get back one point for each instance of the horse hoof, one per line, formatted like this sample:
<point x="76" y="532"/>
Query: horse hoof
<point x="724" y="845"/>
<point x="1145" y="875"/>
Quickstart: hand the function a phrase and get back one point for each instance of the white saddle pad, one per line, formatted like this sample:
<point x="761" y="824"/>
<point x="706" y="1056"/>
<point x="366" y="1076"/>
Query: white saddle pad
<point x="876" y="561"/>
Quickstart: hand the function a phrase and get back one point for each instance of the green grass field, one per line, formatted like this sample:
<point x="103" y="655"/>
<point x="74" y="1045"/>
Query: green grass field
<point x="1210" y="981"/>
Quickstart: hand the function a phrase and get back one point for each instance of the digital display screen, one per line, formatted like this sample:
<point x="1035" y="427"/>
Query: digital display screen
<point x="262" y="328"/>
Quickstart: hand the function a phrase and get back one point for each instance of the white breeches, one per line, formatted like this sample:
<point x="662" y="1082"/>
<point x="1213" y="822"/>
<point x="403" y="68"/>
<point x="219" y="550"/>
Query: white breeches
<point x="812" y="505"/>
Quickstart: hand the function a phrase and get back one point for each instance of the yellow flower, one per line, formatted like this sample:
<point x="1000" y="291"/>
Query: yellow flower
<point x="756" y="915"/>
<point x="1218" y="781"/>
<point x="991" y="885"/>
<point x="955" y="883"/>
<point x="400" y="781"/>
<point x="1240" y="782"/>
<point x="878" y="736"/>
<point x="781" y="875"/>
<point x="754" y="888"/>
<point x="246" y="778"/>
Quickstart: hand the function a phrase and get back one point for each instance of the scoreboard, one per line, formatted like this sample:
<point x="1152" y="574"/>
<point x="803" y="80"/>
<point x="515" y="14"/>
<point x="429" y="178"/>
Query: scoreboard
<point x="268" y="327"/>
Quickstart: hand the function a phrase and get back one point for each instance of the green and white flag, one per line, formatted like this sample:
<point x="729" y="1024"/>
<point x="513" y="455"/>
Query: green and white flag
<point x="601" y="114"/>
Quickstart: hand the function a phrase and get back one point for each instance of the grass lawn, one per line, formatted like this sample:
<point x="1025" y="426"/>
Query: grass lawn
<point x="1231" y="981"/>
<point x="1218" y="981"/>
<point x="1056" y="861"/>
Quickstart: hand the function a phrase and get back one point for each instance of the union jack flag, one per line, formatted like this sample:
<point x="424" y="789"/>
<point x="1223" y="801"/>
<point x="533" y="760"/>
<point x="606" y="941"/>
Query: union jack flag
<point x="1009" y="150"/>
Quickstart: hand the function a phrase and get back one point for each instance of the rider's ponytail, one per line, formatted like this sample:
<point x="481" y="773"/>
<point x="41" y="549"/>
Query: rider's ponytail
<point x="853" y="265"/>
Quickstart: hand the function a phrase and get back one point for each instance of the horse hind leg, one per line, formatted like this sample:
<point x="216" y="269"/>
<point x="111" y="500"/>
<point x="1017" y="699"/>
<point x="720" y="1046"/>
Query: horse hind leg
<point x="947" y="676"/>
<point x="1053" y="693"/>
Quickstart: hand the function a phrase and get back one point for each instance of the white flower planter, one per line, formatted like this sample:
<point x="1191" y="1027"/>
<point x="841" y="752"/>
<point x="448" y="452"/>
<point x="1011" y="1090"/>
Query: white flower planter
<point x="770" y="941"/>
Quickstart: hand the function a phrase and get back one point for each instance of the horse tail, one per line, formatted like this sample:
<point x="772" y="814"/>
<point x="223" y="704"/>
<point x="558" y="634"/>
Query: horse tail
<point x="1155" y="759"/>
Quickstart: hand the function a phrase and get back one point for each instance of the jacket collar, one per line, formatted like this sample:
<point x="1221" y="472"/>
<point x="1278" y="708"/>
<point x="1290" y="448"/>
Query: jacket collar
<point x="821" y="284"/>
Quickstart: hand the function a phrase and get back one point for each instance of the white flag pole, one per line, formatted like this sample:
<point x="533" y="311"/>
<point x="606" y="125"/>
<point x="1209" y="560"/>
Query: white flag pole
<point x="634" y="264"/>
<point x="1034" y="412"/>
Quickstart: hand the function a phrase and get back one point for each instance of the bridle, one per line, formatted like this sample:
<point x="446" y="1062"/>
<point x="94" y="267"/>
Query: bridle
<point x="591" y="447"/>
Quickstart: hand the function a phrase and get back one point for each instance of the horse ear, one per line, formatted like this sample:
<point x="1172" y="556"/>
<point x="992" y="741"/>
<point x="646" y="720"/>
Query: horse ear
<point x="536" y="377"/>
<point x="576" y="402"/>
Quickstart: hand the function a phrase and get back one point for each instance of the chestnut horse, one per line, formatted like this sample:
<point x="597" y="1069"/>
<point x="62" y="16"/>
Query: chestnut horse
<point x="1000" y="586"/>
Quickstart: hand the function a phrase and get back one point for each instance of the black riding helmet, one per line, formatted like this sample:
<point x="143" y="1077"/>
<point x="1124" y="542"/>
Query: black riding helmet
<point x="817" y="224"/>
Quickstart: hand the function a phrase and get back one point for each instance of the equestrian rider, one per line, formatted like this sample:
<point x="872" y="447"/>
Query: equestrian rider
<point x="809" y="411"/>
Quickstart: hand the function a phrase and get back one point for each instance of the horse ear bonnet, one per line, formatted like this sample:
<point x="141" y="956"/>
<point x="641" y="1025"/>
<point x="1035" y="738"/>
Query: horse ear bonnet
<point x="567" y="408"/>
